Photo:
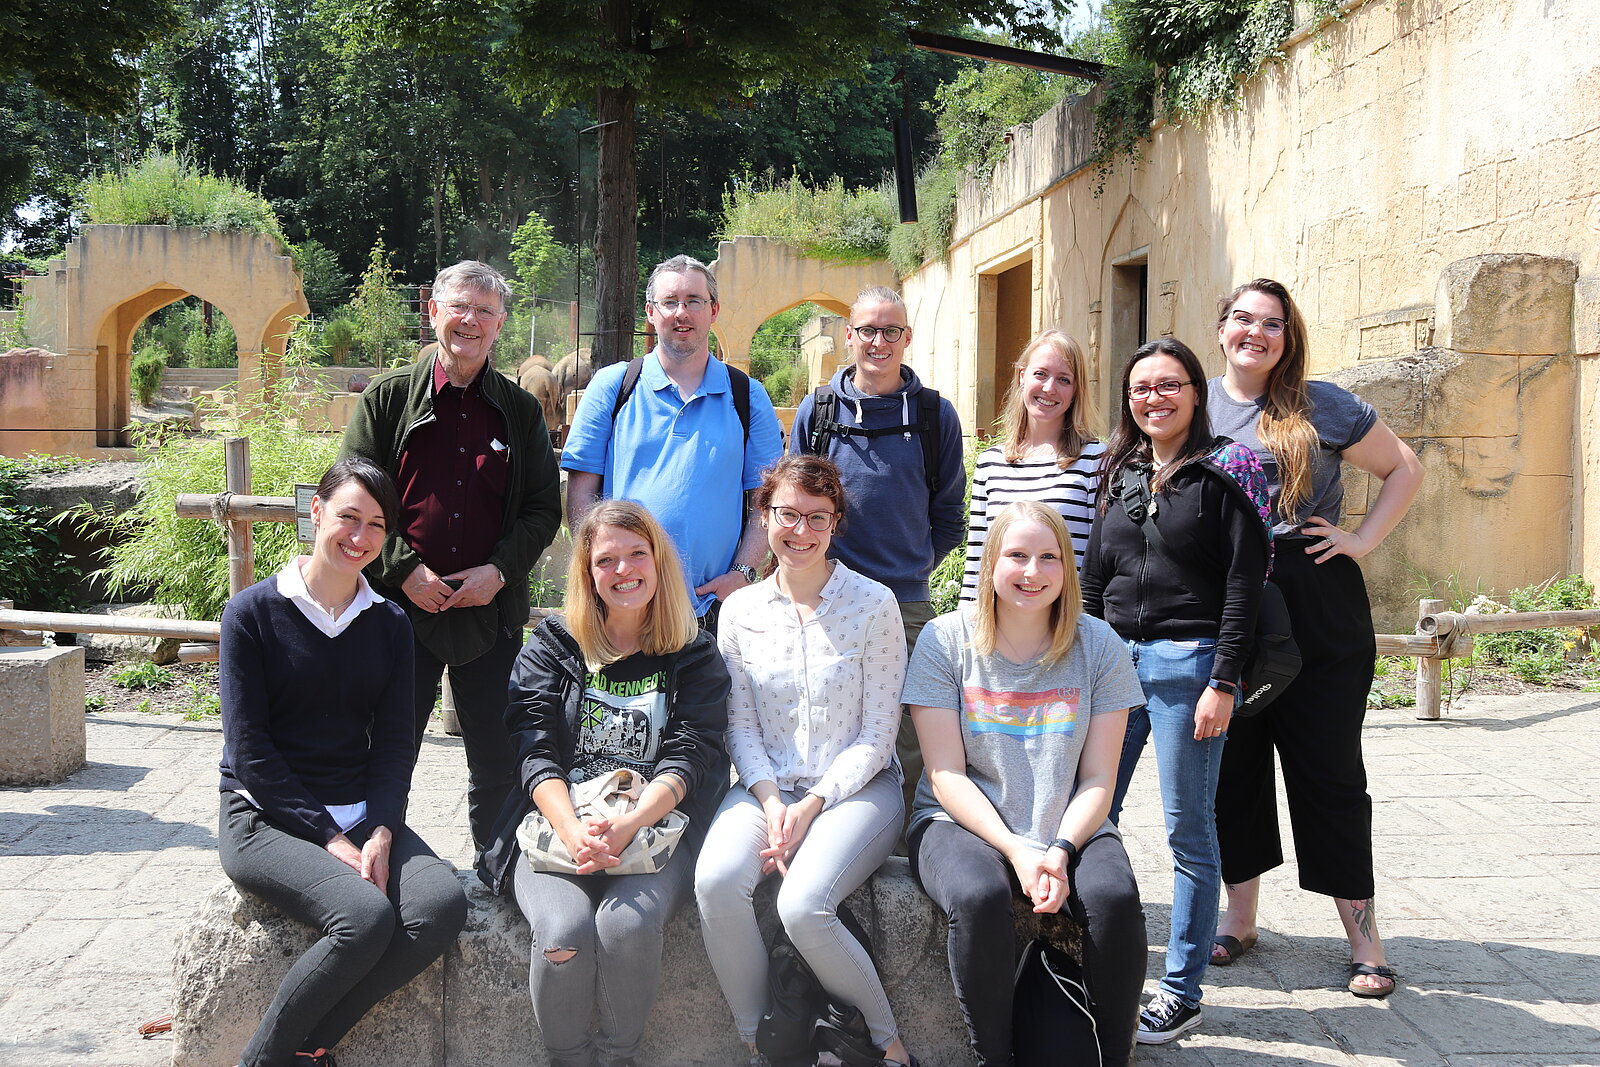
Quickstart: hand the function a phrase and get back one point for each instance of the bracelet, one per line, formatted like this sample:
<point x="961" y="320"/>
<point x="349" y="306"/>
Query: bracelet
<point x="1231" y="688"/>
<point x="1066" y="846"/>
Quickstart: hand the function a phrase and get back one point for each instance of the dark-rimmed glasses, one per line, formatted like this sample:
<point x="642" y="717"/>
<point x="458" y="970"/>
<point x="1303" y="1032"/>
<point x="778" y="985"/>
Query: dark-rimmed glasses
<point x="890" y="334"/>
<point x="789" y="518"/>
<point x="1168" y="388"/>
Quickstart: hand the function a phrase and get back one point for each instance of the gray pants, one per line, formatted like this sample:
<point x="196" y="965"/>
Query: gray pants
<point x="613" y="927"/>
<point x="372" y="943"/>
<point x="843" y="846"/>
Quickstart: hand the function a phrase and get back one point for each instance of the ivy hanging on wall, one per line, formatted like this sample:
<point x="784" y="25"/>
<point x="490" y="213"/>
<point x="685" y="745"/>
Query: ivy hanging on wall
<point x="1185" y="57"/>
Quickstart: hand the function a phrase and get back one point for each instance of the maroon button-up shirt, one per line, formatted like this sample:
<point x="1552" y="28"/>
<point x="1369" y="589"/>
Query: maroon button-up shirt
<point x="452" y="478"/>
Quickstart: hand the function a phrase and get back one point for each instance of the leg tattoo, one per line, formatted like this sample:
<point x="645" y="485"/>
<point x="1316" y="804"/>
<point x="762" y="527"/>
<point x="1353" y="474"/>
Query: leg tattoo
<point x="1365" y="914"/>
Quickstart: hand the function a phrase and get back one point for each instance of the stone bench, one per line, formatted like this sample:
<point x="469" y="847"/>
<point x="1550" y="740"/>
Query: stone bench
<point x="471" y="1008"/>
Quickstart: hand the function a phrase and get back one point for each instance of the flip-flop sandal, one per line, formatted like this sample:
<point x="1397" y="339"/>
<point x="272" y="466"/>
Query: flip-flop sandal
<point x="1379" y="970"/>
<point x="1233" y="949"/>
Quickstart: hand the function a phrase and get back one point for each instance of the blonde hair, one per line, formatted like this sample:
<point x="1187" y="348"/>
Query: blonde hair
<point x="1068" y="606"/>
<point x="1285" y="426"/>
<point x="1076" y="433"/>
<point x="669" y="618"/>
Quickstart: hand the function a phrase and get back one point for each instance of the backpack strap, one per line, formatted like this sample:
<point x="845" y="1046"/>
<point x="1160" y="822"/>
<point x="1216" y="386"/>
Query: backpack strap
<point x="738" y="385"/>
<point x="825" y="425"/>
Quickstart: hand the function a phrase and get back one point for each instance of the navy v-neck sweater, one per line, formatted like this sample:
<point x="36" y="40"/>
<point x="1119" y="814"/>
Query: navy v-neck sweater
<point x="310" y="720"/>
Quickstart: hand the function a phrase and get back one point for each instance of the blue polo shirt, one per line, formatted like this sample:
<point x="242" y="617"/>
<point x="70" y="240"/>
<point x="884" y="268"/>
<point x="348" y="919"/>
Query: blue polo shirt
<point x="684" y="458"/>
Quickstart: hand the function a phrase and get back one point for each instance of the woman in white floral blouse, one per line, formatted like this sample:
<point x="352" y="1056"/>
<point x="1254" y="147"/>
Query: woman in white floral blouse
<point x="817" y="656"/>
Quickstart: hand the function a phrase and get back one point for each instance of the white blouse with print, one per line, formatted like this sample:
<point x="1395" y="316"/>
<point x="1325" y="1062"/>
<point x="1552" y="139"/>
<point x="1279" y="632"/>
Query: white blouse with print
<point x="814" y="705"/>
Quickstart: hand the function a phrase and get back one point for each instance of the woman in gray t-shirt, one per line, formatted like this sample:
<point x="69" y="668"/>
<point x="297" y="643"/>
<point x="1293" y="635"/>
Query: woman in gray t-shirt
<point x="1301" y="430"/>
<point x="1020" y="703"/>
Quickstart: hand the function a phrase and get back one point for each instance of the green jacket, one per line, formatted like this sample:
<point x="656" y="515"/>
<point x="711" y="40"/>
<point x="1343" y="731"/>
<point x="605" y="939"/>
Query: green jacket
<point x="401" y="400"/>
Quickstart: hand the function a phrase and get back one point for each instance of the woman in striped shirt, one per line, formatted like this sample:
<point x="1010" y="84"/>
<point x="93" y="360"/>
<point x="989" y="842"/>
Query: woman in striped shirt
<point x="1047" y="451"/>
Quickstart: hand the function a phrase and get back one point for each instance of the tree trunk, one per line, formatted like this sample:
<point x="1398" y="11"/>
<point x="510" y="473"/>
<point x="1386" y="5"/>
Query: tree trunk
<point x="616" y="229"/>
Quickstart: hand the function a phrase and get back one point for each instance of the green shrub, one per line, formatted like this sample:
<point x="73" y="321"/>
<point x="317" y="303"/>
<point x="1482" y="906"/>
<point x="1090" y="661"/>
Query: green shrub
<point x="36" y="574"/>
<point x="185" y="561"/>
<point x="1539" y="656"/>
<point x="145" y="370"/>
<point x="167" y="190"/>
<point x="339" y="336"/>
<point x="219" y="348"/>
<point x="913" y="244"/>
<point x="142" y="675"/>
<point x="826" y="222"/>
<point x="325" y="284"/>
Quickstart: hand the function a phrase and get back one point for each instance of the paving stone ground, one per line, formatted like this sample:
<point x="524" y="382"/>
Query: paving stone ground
<point x="1489" y="897"/>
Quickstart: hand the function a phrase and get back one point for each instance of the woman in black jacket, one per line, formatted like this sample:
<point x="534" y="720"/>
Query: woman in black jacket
<point x="628" y="682"/>
<point x="1175" y="564"/>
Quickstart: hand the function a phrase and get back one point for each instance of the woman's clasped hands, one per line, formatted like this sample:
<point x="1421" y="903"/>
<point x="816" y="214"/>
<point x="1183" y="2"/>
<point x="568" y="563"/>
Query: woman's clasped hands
<point x="786" y="827"/>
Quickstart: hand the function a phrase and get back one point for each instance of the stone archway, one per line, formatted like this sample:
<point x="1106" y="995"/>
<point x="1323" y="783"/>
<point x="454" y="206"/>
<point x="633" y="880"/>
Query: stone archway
<point x="111" y="278"/>
<point x="757" y="277"/>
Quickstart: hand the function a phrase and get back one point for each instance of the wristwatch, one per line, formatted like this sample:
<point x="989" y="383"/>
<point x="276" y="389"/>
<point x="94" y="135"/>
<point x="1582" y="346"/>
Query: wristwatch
<point x="750" y="575"/>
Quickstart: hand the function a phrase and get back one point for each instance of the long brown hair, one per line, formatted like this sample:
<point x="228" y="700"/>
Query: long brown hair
<point x="1285" y="426"/>
<point x="669" y="620"/>
<point x="1075" y="426"/>
<point x="1068" y="606"/>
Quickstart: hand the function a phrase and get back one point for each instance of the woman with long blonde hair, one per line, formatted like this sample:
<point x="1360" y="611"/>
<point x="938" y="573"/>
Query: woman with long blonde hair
<point x="1047" y="449"/>
<point x="1020" y="703"/>
<point x="627" y="681"/>
<point x="1301" y="430"/>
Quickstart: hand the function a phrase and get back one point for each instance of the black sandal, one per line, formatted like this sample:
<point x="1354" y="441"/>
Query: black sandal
<point x="1378" y="970"/>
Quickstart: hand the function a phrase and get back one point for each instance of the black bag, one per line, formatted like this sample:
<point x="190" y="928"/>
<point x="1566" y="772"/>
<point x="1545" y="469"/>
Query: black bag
<point x="802" y="1021"/>
<point x="1052" y="1015"/>
<point x="1274" y="659"/>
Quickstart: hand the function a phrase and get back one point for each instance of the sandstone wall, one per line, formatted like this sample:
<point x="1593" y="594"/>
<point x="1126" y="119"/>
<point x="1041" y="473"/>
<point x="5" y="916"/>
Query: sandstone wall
<point x="1401" y="140"/>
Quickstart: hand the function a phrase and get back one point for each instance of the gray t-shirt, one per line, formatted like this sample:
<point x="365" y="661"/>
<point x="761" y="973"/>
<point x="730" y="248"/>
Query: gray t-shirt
<point x="1340" y="418"/>
<point x="1023" y="724"/>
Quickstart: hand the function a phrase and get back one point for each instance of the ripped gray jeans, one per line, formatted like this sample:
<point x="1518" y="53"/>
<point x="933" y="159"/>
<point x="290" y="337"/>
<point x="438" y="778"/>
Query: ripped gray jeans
<point x="597" y="944"/>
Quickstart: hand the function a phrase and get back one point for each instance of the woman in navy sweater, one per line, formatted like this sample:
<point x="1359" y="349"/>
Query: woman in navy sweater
<point x="318" y="747"/>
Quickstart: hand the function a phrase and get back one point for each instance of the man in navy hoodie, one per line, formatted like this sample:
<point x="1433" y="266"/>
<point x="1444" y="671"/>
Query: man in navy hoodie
<point x="906" y="513"/>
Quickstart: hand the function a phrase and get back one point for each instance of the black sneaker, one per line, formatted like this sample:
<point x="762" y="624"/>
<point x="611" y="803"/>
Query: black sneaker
<point x="1165" y="1019"/>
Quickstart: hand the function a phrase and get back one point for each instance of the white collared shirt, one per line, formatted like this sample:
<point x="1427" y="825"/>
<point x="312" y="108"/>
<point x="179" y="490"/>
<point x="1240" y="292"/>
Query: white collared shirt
<point x="292" y="584"/>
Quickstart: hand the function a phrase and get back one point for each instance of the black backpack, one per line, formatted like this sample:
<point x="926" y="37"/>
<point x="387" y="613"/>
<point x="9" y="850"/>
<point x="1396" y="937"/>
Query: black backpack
<point x="1274" y="659"/>
<point x="1052" y="1012"/>
<point x="802" y="1022"/>
<point x="825" y="425"/>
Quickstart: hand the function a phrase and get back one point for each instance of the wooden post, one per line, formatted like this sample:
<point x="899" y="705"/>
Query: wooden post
<point x="241" y="544"/>
<point x="1430" y="669"/>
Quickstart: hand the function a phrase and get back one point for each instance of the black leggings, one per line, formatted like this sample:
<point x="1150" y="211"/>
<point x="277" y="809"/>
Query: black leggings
<point x="1315" y="726"/>
<point x="973" y="884"/>
<point x="371" y="944"/>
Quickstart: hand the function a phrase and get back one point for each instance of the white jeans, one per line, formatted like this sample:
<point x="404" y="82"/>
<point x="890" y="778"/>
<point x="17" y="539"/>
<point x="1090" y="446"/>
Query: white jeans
<point x="842" y="848"/>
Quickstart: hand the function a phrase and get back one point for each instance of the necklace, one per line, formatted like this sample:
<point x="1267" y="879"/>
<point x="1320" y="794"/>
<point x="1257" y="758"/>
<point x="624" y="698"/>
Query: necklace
<point x="1015" y="655"/>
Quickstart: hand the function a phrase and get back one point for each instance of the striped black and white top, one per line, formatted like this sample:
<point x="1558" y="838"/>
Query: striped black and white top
<point x="996" y="483"/>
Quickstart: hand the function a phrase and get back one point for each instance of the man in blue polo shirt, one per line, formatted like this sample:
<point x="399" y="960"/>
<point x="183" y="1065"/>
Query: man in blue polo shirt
<point x="678" y="445"/>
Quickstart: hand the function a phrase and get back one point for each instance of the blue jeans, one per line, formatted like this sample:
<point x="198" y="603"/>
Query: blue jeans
<point x="1174" y="674"/>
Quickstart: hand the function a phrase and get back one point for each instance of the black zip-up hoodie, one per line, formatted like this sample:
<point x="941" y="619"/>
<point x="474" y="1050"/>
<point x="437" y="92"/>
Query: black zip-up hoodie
<point x="545" y="694"/>
<point x="1212" y="525"/>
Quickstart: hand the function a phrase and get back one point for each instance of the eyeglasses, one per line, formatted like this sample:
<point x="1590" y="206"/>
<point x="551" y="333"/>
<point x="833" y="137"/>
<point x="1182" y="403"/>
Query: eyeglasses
<point x="1269" y="326"/>
<point x="890" y="334"/>
<point x="691" y="305"/>
<point x="819" y="521"/>
<point x="1142" y="392"/>
<point x="483" y="310"/>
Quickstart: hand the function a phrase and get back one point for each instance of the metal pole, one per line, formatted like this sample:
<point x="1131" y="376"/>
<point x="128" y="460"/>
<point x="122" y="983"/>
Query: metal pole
<point x="241" y="545"/>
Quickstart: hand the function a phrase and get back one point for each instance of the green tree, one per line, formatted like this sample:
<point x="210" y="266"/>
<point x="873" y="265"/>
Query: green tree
<point x="626" y="53"/>
<point x="82" y="52"/>
<point x="541" y="261"/>
<point x="381" y="320"/>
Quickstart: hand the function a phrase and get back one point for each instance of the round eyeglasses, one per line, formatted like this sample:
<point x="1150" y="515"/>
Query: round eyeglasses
<point x="819" y="521"/>
<point x="1272" y="327"/>
<point x="890" y="334"/>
